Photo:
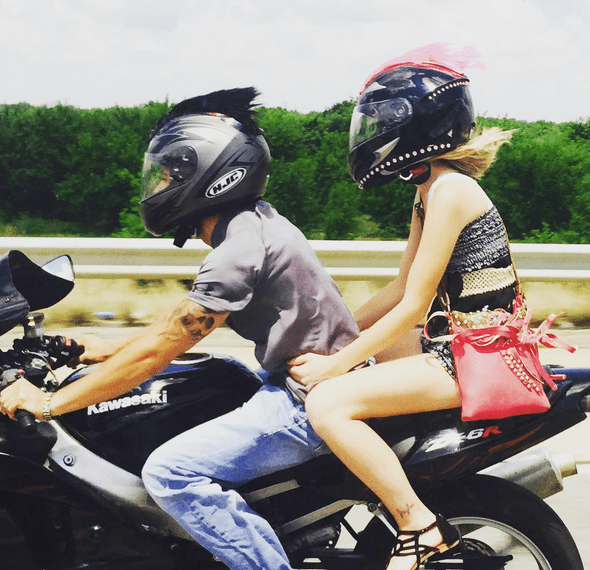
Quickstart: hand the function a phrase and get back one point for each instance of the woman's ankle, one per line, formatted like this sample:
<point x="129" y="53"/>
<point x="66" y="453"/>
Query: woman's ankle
<point x="414" y="518"/>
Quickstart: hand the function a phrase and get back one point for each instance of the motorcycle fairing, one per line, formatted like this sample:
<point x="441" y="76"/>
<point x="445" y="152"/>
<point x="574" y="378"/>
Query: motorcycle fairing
<point x="458" y="447"/>
<point x="26" y="286"/>
<point x="31" y="446"/>
<point x="25" y="478"/>
<point x="14" y="307"/>
<point x="61" y="525"/>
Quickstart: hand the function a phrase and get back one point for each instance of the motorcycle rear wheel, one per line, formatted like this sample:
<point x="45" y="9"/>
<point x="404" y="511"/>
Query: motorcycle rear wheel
<point x="496" y="518"/>
<point x="510" y="521"/>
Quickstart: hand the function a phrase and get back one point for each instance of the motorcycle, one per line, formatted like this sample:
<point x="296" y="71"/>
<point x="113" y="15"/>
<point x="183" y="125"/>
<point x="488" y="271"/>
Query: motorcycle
<point x="71" y="496"/>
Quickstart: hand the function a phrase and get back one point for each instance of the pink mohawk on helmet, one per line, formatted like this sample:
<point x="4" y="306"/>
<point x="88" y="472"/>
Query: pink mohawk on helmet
<point x="453" y="59"/>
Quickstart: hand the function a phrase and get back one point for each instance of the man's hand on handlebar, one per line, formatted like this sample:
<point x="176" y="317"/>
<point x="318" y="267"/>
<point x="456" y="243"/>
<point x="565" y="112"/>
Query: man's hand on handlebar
<point x="95" y="349"/>
<point x="22" y="395"/>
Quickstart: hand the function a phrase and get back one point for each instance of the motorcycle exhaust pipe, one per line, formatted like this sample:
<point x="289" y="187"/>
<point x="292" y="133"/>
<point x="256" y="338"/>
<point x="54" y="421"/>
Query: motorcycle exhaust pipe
<point x="538" y="471"/>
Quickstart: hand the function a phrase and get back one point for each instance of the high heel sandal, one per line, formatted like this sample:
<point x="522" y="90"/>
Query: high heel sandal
<point x="411" y="545"/>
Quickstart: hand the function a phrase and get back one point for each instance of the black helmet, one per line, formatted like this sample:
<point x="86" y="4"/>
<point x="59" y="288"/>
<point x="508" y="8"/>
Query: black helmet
<point x="407" y="113"/>
<point x="204" y="156"/>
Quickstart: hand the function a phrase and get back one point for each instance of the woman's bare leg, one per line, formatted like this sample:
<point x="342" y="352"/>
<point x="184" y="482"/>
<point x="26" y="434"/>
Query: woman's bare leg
<point x="338" y="407"/>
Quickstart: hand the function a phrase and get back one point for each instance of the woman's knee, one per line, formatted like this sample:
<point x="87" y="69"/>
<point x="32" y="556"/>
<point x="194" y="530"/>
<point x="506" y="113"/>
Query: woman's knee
<point x="322" y="408"/>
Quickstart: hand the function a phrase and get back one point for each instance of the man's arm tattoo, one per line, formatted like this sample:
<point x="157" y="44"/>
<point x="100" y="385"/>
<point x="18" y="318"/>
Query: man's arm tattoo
<point x="192" y="320"/>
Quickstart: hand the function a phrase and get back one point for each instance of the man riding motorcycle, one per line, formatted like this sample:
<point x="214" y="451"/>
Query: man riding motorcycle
<point x="204" y="174"/>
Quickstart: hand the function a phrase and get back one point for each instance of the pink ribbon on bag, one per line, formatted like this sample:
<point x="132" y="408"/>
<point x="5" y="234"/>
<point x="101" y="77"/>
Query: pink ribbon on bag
<point x="518" y="333"/>
<point x="541" y="336"/>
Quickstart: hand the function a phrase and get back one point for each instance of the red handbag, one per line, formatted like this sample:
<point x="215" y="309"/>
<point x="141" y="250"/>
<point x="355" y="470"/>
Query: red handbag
<point x="498" y="367"/>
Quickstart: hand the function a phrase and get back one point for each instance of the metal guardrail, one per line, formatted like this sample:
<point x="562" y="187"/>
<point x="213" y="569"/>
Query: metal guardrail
<point x="344" y="260"/>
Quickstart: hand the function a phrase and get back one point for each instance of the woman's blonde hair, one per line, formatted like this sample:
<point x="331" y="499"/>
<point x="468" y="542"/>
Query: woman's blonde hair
<point x="477" y="155"/>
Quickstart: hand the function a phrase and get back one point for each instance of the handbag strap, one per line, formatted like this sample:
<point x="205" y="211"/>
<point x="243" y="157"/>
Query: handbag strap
<point x="441" y="338"/>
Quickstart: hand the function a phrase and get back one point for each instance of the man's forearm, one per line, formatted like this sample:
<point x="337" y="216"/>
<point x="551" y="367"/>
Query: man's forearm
<point x="137" y="335"/>
<point x="141" y="357"/>
<point x="129" y="367"/>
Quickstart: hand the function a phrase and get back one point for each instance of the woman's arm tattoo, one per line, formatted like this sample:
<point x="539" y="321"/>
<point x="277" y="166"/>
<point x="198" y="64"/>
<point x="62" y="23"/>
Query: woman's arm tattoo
<point x="191" y="320"/>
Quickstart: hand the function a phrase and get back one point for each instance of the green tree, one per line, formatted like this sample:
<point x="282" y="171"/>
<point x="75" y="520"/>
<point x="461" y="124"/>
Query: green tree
<point x="535" y="180"/>
<point x="341" y="217"/>
<point x="33" y="156"/>
<point x="79" y="170"/>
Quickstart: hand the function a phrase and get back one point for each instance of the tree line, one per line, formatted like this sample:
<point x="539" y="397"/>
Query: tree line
<point x="75" y="172"/>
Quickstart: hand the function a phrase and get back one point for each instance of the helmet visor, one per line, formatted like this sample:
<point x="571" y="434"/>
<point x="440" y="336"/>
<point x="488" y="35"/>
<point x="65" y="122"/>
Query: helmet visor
<point x="370" y="119"/>
<point x="164" y="171"/>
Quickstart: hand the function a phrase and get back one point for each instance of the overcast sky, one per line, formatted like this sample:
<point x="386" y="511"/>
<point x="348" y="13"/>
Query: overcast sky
<point x="304" y="55"/>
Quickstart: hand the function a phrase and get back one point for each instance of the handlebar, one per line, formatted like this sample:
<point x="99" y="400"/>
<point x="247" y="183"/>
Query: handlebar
<point x="57" y="351"/>
<point x="32" y="358"/>
<point x="26" y="421"/>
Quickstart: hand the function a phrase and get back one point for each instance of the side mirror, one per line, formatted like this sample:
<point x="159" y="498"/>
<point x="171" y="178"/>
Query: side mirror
<point x="26" y="286"/>
<point x="61" y="267"/>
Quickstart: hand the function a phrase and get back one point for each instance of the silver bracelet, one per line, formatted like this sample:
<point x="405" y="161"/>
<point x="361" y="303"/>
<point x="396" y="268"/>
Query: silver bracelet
<point x="47" y="407"/>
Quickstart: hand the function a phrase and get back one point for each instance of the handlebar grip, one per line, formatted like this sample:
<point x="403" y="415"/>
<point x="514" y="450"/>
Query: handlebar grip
<point x="66" y="351"/>
<point x="77" y="349"/>
<point x="26" y="421"/>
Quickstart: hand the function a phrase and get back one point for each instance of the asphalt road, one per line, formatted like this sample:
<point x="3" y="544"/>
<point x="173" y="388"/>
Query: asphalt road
<point x="572" y="504"/>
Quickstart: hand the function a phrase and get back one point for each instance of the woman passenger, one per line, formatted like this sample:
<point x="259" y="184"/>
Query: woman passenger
<point x="413" y="120"/>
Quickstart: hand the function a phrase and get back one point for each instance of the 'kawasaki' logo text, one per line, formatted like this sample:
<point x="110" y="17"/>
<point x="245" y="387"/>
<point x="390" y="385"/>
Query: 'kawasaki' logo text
<point x="128" y="401"/>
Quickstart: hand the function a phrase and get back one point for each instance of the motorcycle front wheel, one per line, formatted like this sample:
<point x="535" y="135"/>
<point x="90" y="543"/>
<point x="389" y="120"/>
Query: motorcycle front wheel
<point x="504" y="527"/>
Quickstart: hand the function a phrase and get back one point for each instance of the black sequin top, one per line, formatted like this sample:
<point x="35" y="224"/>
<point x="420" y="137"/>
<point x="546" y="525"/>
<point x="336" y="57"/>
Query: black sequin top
<point x="482" y="244"/>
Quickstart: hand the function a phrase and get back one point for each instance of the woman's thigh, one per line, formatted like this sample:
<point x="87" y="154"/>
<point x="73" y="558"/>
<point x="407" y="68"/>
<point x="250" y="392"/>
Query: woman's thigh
<point x="408" y="385"/>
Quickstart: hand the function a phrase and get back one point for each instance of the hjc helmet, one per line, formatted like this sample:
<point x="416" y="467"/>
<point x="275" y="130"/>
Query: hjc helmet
<point x="205" y="156"/>
<point x="406" y="114"/>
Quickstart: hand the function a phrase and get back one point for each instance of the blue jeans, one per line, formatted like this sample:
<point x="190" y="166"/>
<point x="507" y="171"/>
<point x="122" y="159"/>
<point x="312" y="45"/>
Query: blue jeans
<point x="192" y="476"/>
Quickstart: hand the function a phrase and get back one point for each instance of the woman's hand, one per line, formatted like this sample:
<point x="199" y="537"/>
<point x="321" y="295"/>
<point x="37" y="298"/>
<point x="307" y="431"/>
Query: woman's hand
<point x="22" y="395"/>
<point x="309" y="369"/>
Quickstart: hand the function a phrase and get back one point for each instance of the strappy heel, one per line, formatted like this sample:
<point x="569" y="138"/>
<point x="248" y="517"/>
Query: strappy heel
<point x="408" y="542"/>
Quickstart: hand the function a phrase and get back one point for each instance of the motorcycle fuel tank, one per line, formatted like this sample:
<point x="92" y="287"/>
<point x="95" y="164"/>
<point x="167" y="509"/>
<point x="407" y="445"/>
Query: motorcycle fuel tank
<point x="192" y="390"/>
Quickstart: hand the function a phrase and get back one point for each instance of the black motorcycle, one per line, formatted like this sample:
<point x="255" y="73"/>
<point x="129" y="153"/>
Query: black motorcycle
<point x="71" y="497"/>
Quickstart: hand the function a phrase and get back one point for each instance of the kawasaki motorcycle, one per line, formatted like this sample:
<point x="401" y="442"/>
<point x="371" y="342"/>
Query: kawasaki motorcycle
<point x="71" y="497"/>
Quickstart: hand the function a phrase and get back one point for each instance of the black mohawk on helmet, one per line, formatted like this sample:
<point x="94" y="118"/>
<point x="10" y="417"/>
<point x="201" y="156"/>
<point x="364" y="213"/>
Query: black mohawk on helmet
<point x="235" y="103"/>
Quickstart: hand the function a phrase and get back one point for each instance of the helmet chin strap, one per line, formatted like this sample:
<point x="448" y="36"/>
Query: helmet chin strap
<point x="184" y="233"/>
<point x="418" y="174"/>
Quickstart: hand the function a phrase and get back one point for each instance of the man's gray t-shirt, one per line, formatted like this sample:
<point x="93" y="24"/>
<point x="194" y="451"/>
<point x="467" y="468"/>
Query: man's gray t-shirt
<point x="264" y="272"/>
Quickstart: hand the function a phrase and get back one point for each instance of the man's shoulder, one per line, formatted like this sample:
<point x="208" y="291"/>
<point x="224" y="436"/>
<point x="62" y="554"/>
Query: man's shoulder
<point x="261" y="219"/>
